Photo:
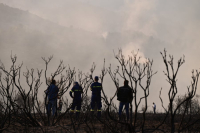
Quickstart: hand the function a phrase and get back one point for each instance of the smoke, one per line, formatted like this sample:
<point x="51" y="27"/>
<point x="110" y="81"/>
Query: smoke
<point x="140" y="17"/>
<point x="81" y="32"/>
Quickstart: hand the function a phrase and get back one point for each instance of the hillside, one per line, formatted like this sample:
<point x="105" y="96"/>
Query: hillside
<point x="27" y="34"/>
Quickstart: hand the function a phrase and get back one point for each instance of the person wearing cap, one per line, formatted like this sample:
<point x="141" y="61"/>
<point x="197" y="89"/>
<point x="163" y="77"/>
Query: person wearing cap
<point x="52" y="94"/>
<point x="96" y="88"/>
<point x="77" y="90"/>
<point x="125" y="96"/>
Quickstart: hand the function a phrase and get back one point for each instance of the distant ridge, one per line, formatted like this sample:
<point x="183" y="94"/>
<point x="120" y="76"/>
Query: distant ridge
<point x="29" y="34"/>
<point x="15" y="17"/>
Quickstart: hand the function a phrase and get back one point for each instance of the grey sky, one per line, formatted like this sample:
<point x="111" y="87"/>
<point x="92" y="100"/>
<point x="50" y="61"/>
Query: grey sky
<point x="108" y="25"/>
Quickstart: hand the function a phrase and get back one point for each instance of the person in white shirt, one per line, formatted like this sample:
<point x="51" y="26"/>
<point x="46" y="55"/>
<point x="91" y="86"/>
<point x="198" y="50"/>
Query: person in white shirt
<point x="154" y="108"/>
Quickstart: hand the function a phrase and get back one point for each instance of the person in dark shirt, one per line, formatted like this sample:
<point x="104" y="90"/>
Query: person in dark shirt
<point x="77" y="99"/>
<point x="96" y="88"/>
<point x="52" y="93"/>
<point x="125" y="96"/>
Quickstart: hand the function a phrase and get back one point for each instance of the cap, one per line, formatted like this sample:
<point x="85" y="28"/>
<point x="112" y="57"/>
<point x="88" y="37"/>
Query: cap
<point x="96" y="78"/>
<point x="75" y="83"/>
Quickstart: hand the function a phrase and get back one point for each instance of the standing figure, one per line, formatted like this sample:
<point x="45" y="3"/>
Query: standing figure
<point x="154" y="108"/>
<point x="52" y="93"/>
<point x="96" y="88"/>
<point x="77" y="99"/>
<point x="125" y="96"/>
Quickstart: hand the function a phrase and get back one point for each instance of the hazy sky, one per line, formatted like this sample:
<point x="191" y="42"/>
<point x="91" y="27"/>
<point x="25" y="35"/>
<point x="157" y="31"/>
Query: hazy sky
<point x="147" y="25"/>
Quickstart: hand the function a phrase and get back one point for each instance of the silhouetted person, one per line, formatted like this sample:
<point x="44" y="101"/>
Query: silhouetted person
<point x="96" y="88"/>
<point x="77" y="99"/>
<point x="154" y="108"/>
<point x="125" y="96"/>
<point x="52" y="93"/>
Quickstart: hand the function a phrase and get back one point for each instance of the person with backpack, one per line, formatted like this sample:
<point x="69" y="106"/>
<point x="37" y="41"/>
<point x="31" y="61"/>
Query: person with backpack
<point x="77" y="99"/>
<point x="96" y="88"/>
<point x="125" y="96"/>
<point x="52" y="94"/>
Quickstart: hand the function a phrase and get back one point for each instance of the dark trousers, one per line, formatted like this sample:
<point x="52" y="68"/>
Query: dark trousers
<point x="76" y="103"/>
<point x="121" y="105"/>
<point x="52" y="105"/>
<point x="96" y="101"/>
<point x="154" y="110"/>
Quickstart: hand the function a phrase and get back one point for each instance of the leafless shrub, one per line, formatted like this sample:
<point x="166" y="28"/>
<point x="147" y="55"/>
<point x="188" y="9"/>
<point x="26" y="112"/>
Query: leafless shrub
<point x="139" y="73"/>
<point x="171" y="74"/>
<point x="21" y="109"/>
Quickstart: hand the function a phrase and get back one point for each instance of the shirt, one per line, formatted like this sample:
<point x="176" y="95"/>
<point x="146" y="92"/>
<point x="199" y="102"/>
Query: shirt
<point x="124" y="94"/>
<point x="96" y="88"/>
<point x="52" y="92"/>
<point x="77" y="90"/>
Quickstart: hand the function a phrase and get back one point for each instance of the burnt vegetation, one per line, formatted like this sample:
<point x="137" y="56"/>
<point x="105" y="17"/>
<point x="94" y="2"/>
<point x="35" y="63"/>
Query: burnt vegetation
<point x="21" y="110"/>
